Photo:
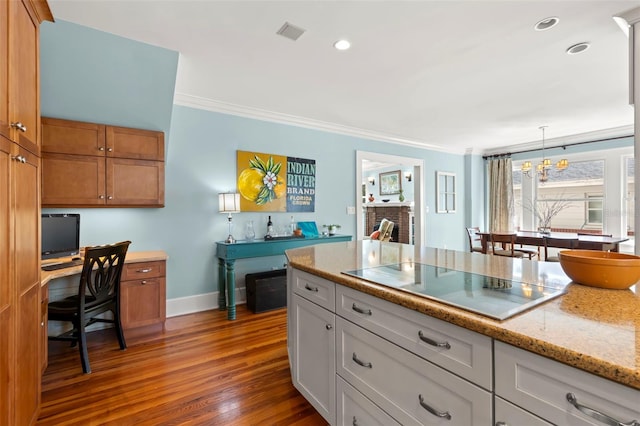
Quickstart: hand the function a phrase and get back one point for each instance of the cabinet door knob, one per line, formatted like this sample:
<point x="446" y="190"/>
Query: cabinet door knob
<point x="18" y="125"/>
<point x="441" y="414"/>
<point x="110" y="149"/>
<point x="101" y="197"/>
<point x="595" y="414"/>
<point x="109" y="197"/>
<point x="143" y="282"/>
<point x="432" y="342"/>
<point x="101" y="148"/>
<point x="328" y="326"/>
<point x="308" y="287"/>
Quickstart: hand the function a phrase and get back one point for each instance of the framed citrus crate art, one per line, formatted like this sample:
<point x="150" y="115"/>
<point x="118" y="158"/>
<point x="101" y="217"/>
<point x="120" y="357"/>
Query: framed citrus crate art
<point x="275" y="183"/>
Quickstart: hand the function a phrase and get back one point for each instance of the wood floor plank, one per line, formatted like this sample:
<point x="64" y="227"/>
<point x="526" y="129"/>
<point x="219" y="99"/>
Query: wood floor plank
<point x="200" y="370"/>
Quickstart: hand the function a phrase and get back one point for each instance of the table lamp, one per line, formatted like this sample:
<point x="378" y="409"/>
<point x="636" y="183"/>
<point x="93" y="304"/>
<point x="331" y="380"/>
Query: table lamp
<point x="229" y="203"/>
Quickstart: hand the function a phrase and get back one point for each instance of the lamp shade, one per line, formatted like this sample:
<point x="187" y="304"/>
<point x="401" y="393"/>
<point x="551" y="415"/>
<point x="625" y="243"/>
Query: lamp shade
<point x="229" y="202"/>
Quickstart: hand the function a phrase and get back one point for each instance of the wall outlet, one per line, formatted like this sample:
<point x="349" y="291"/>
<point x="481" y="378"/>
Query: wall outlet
<point x="351" y="210"/>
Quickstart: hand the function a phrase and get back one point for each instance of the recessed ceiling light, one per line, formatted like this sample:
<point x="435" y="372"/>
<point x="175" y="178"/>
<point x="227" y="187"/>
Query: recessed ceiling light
<point x="578" y="48"/>
<point x="546" y="23"/>
<point x="342" y="44"/>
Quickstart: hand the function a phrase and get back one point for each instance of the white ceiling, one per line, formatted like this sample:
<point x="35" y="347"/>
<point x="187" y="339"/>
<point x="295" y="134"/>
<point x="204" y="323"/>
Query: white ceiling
<point x="450" y="75"/>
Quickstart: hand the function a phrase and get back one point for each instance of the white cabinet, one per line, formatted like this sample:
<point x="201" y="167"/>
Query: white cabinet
<point x="454" y="348"/>
<point x="314" y="366"/>
<point x="507" y="414"/>
<point x="355" y="409"/>
<point x="413" y="391"/>
<point x="544" y="387"/>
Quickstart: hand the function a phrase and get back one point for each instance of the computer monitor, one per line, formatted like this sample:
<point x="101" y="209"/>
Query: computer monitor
<point x="60" y="235"/>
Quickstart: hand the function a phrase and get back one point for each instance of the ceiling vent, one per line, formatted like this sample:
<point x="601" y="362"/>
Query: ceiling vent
<point x="290" y="31"/>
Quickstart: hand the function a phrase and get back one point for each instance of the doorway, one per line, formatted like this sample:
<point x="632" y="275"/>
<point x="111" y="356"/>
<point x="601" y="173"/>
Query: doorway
<point x="366" y="160"/>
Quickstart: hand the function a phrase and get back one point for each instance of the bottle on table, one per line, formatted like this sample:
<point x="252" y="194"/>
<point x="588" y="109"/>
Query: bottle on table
<point x="269" y="229"/>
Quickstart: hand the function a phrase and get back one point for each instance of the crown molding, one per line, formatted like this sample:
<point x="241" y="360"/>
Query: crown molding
<point x="292" y="120"/>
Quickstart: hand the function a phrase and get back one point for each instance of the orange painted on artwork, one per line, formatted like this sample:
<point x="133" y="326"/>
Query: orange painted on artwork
<point x="262" y="181"/>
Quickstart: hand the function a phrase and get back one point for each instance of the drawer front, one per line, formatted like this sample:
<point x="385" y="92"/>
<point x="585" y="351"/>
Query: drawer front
<point x="460" y="351"/>
<point x="143" y="270"/>
<point x="541" y="385"/>
<point x="411" y="390"/>
<point x="316" y="289"/>
<point x="507" y="414"/>
<point x="355" y="409"/>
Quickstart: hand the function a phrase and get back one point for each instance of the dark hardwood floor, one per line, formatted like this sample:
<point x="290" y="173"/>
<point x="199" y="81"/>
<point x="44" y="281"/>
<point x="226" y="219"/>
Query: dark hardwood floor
<point x="201" y="370"/>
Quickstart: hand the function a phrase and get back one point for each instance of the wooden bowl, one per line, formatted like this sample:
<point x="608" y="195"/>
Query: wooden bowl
<point x="601" y="268"/>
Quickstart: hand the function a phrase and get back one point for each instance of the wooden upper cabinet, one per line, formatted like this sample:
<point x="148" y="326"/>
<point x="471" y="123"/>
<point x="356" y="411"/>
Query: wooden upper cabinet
<point x="73" y="137"/>
<point x="23" y="73"/>
<point x="123" y="142"/>
<point x="4" y="70"/>
<point x="95" y="165"/>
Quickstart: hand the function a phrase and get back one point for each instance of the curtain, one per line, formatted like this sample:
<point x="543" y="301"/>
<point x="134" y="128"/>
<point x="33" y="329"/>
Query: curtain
<point x="500" y="195"/>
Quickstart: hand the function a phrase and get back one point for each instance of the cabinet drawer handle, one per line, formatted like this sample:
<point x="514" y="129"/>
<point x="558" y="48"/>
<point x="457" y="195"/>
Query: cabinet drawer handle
<point x="355" y="421"/>
<point x="501" y="424"/>
<point x="361" y="363"/>
<point x="143" y="282"/>
<point x="144" y="271"/>
<point x="20" y="158"/>
<point x="441" y="414"/>
<point x="18" y="125"/>
<point x="432" y="342"/>
<point x="361" y="311"/>
<point x="308" y="287"/>
<point x="594" y="414"/>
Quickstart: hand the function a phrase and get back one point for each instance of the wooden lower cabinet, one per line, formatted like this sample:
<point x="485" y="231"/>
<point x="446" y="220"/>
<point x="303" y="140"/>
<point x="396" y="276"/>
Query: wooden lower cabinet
<point x="143" y="294"/>
<point x="26" y="271"/>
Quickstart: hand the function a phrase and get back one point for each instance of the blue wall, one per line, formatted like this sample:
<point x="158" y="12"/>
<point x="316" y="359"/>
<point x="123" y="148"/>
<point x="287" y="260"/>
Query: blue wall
<point x="132" y="85"/>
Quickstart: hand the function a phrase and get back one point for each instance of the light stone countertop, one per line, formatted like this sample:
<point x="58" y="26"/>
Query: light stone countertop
<point x="132" y="257"/>
<point x="596" y="330"/>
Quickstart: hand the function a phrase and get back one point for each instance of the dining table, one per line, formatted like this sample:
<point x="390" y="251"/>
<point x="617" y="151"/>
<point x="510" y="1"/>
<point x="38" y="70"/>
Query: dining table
<point x="585" y="241"/>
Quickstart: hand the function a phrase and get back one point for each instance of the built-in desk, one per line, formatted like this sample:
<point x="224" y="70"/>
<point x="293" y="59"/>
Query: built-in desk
<point x="228" y="253"/>
<point x="142" y="288"/>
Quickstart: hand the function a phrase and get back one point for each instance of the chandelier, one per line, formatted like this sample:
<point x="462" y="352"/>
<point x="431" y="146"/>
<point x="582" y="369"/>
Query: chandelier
<point x="542" y="168"/>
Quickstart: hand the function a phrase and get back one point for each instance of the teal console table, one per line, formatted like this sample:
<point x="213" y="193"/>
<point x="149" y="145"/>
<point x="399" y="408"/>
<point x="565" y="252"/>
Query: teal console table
<point x="228" y="253"/>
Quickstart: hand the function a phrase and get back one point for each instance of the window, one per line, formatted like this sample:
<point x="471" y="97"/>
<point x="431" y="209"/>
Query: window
<point x="446" y="190"/>
<point x="569" y="201"/>
<point x="594" y="205"/>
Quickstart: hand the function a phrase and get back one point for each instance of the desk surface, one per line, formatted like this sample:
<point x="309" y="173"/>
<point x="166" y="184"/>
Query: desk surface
<point x="132" y="257"/>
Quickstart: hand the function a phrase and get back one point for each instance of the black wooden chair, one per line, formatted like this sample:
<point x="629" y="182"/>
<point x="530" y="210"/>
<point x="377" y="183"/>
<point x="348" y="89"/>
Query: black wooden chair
<point x="560" y="243"/>
<point x="98" y="292"/>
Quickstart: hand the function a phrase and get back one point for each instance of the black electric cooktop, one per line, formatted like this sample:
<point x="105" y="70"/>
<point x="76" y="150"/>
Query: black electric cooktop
<point x="496" y="298"/>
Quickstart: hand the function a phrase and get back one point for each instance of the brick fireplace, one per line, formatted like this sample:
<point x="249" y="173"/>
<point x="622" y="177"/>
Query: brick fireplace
<point x="399" y="213"/>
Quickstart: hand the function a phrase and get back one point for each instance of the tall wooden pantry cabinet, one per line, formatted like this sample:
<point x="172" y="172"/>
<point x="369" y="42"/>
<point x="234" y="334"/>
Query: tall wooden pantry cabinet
<point x="21" y="351"/>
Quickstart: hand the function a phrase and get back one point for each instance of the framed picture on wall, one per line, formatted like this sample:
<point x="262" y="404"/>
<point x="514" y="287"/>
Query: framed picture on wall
<point x="390" y="183"/>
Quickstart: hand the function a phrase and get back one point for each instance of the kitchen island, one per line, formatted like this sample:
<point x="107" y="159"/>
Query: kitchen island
<point x="589" y="335"/>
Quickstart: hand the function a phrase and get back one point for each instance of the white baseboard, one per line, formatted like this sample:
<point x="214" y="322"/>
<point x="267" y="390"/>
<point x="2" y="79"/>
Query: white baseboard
<point x="199" y="303"/>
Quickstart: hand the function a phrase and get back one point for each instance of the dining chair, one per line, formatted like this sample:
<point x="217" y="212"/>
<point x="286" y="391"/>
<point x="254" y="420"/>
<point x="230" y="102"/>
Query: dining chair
<point x="560" y="243"/>
<point x="98" y="292"/>
<point x="475" y="245"/>
<point x="504" y="245"/>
